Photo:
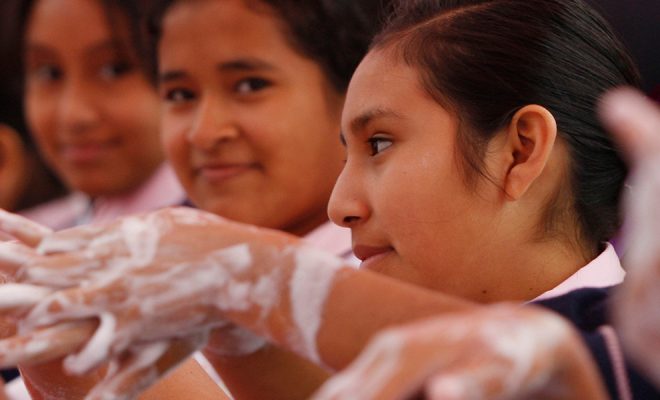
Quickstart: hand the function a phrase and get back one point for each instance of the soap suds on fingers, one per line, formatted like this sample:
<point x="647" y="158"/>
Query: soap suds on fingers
<point x="27" y="231"/>
<point x="14" y="295"/>
<point x="96" y="350"/>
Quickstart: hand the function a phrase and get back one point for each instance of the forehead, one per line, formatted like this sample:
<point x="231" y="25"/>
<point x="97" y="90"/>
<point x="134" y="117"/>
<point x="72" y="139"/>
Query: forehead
<point x="381" y="82"/>
<point x="230" y="27"/>
<point x="72" y="21"/>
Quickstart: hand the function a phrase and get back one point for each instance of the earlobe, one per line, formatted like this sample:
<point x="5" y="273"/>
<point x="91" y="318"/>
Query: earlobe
<point x="531" y="139"/>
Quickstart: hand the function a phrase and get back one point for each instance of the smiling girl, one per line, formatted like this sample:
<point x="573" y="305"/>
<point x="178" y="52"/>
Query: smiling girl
<point x="251" y="95"/>
<point x="92" y="110"/>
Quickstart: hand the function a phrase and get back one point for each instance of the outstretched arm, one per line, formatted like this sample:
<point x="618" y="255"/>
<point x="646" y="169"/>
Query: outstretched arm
<point x="178" y="274"/>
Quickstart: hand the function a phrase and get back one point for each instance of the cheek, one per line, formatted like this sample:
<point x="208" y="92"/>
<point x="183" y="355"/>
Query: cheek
<point x="177" y="150"/>
<point x="40" y="117"/>
<point x="137" y="122"/>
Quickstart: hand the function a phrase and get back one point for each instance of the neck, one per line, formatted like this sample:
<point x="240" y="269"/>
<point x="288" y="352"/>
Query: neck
<point x="534" y="268"/>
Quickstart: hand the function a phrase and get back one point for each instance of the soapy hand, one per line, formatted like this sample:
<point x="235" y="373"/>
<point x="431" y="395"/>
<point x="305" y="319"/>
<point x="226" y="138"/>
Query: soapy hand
<point x="635" y="121"/>
<point x="495" y="352"/>
<point x="153" y="284"/>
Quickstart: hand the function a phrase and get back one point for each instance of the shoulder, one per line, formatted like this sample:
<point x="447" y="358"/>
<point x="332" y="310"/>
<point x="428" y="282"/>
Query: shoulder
<point x="588" y="310"/>
<point x="60" y="213"/>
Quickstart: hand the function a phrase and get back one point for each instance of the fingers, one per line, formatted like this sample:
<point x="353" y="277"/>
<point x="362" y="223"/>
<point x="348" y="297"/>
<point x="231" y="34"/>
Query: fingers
<point x="69" y="240"/>
<point x="8" y="327"/>
<point x="145" y="365"/>
<point x="474" y="382"/>
<point x="23" y="229"/>
<point x="96" y="351"/>
<point x="15" y="297"/>
<point x="13" y="256"/>
<point x="44" y="344"/>
<point x="634" y="120"/>
<point x="128" y="377"/>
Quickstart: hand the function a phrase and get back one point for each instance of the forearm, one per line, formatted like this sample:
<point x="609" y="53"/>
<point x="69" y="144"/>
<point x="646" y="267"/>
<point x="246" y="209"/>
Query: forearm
<point x="333" y="329"/>
<point x="363" y="303"/>
<point x="49" y="382"/>
<point x="270" y="372"/>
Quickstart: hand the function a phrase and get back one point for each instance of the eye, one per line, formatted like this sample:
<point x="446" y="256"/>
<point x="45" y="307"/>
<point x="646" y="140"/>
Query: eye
<point x="46" y="73"/>
<point x="378" y="143"/>
<point x="178" y="95"/>
<point x="251" y="85"/>
<point x="114" y="70"/>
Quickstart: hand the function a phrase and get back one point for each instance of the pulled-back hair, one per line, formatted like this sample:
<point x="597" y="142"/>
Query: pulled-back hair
<point x="485" y="59"/>
<point x="333" y="33"/>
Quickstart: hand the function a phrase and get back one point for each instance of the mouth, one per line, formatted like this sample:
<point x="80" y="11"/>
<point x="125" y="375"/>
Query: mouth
<point x="370" y="255"/>
<point x="87" y="152"/>
<point x="220" y="172"/>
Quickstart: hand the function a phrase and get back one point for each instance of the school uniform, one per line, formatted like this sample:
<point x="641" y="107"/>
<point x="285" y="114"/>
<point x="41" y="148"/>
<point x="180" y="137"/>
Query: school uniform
<point x="589" y="310"/>
<point x="601" y="272"/>
<point x="162" y="189"/>
<point x="583" y="299"/>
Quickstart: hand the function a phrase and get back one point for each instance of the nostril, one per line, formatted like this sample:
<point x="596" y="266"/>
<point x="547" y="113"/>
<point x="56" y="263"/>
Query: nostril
<point x="350" y="219"/>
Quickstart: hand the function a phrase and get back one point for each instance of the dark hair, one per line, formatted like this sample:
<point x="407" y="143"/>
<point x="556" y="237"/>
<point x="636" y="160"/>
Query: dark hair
<point x="333" y="33"/>
<point x="485" y="59"/>
<point x="41" y="184"/>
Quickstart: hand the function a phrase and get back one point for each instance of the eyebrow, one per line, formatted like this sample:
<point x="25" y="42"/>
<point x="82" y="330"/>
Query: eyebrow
<point x="361" y="121"/>
<point x="97" y="47"/>
<point x="102" y="46"/>
<point x="245" y="64"/>
<point x="241" y="64"/>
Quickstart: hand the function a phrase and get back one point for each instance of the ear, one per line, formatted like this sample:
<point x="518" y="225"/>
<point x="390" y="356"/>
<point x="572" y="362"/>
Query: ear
<point x="530" y="139"/>
<point x="12" y="167"/>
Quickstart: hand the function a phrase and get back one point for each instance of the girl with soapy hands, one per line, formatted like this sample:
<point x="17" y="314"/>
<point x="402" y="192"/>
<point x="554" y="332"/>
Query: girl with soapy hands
<point x="436" y="357"/>
<point x="442" y="189"/>
<point x="251" y="95"/>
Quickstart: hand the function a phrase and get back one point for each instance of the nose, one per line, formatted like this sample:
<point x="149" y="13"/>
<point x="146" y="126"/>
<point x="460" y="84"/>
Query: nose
<point x="348" y="206"/>
<point x="78" y="111"/>
<point x="213" y="124"/>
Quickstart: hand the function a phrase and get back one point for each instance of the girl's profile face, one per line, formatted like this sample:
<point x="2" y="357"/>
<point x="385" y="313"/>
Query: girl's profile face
<point x="250" y="125"/>
<point x="91" y="109"/>
<point x="402" y="193"/>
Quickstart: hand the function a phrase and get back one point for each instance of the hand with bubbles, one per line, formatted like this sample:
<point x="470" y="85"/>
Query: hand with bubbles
<point x="635" y="121"/>
<point x="504" y="351"/>
<point x="142" y="293"/>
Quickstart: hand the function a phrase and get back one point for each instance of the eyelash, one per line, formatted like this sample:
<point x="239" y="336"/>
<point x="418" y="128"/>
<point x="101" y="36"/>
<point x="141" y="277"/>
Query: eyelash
<point x="178" y="95"/>
<point x="109" y="71"/>
<point x="47" y="73"/>
<point x="255" y="85"/>
<point x="374" y="142"/>
<point x="114" y="70"/>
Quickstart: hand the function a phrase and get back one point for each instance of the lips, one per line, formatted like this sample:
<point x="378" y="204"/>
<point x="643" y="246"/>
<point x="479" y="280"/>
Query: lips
<point x="371" y="254"/>
<point x="218" y="172"/>
<point x="87" y="152"/>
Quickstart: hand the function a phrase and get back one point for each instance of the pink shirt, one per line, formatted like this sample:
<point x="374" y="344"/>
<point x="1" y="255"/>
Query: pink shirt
<point x="162" y="189"/>
<point x="603" y="271"/>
